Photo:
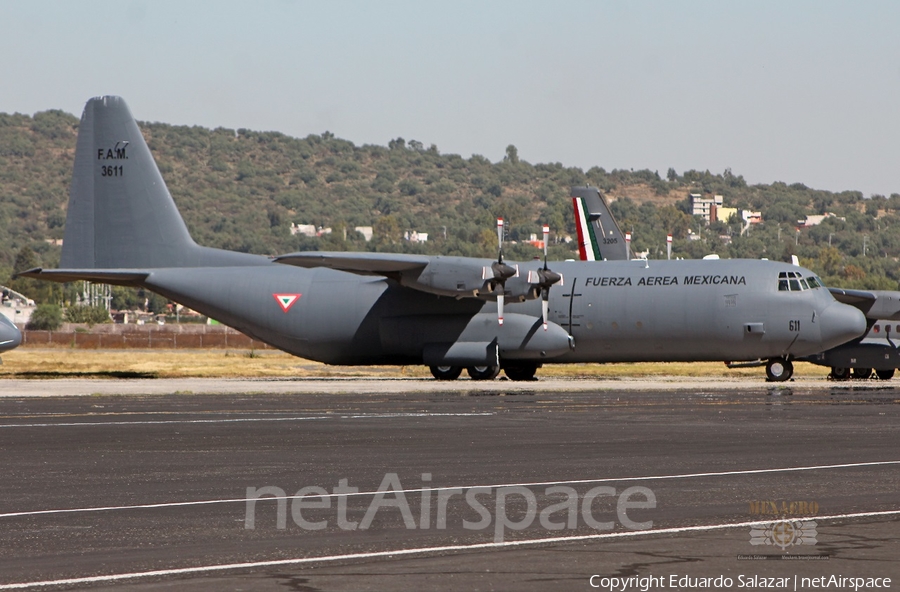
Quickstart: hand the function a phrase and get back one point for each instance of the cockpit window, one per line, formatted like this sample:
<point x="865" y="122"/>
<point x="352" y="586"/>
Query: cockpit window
<point x="792" y="281"/>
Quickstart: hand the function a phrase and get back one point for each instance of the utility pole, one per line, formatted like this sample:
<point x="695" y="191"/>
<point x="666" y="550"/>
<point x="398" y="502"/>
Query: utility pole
<point x="865" y="243"/>
<point x="829" y="238"/>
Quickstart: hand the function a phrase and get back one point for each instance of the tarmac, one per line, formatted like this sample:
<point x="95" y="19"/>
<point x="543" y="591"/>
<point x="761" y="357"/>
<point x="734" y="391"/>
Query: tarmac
<point x="411" y="484"/>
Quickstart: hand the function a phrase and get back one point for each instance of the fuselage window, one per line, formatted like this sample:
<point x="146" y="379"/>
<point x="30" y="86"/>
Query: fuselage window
<point x="795" y="286"/>
<point x="783" y="286"/>
<point x="877" y="329"/>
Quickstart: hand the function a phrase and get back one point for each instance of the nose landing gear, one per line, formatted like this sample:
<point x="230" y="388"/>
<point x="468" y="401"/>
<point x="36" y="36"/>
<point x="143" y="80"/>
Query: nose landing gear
<point x="779" y="370"/>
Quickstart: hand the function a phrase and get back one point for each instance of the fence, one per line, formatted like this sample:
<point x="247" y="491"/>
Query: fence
<point x="142" y="337"/>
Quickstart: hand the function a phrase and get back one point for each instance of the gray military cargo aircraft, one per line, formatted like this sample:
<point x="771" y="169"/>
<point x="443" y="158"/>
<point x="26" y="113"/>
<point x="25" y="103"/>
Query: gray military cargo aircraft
<point x="878" y="350"/>
<point x="875" y="352"/>
<point x="10" y="336"/>
<point x="123" y="228"/>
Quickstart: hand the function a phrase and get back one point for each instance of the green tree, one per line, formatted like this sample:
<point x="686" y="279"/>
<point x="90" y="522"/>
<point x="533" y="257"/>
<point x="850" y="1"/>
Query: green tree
<point x="91" y="315"/>
<point x="829" y="260"/>
<point x="512" y="155"/>
<point x="46" y="317"/>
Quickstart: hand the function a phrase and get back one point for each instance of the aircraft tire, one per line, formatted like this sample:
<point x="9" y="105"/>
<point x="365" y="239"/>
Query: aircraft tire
<point x="779" y="370"/>
<point x="483" y="372"/>
<point x="885" y="374"/>
<point x="861" y="373"/>
<point x="445" y="372"/>
<point x="840" y="373"/>
<point x="520" y="372"/>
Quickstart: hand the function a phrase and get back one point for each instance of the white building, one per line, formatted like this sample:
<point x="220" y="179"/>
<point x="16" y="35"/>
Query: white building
<point x="308" y="230"/>
<point x="415" y="236"/>
<point x="705" y="206"/>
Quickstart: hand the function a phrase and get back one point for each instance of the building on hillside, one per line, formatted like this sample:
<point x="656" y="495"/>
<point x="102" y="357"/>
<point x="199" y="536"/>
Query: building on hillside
<point x="816" y="219"/>
<point x="534" y="241"/>
<point x="309" y="230"/>
<point x="304" y="229"/>
<point x="705" y="206"/>
<point x="724" y="214"/>
<point x="751" y="217"/>
<point x="414" y="236"/>
<point x="366" y="231"/>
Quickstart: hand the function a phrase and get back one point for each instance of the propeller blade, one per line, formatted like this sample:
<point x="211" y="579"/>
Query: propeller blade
<point x="500" y="238"/>
<point x="546" y="240"/>
<point x="545" y="306"/>
<point x="500" y="299"/>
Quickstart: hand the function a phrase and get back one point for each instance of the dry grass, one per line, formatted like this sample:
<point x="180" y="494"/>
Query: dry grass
<point x="62" y="363"/>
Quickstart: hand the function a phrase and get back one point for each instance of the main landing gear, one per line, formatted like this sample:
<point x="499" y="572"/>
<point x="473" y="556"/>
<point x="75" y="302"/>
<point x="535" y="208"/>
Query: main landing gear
<point x="518" y="372"/>
<point x="445" y="372"/>
<point x="860" y="373"/>
<point x="779" y="370"/>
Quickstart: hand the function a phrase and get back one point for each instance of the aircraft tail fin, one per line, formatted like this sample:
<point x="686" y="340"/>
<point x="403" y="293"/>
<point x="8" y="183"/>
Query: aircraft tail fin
<point x="599" y="235"/>
<point x="121" y="214"/>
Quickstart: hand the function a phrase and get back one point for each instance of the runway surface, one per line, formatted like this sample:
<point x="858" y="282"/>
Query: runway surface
<point x="495" y="486"/>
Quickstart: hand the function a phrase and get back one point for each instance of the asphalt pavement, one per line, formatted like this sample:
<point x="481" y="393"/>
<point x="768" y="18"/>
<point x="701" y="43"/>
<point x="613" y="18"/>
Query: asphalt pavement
<point x="495" y="486"/>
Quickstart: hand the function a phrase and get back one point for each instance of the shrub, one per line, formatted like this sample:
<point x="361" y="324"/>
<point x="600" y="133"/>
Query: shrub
<point x="46" y="317"/>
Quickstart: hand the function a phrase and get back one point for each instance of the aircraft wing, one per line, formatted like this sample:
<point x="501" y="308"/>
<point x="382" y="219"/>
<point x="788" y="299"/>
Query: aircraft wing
<point x="458" y="277"/>
<point x="385" y="264"/>
<point x="117" y="277"/>
<point x="861" y="299"/>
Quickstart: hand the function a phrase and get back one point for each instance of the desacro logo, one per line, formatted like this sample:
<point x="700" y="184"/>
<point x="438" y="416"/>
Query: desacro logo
<point x="790" y="526"/>
<point x="784" y="508"/>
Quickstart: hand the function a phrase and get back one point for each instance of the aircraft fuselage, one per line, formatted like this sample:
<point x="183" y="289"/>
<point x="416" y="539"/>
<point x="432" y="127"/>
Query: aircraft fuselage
<point x="615" y="311"/>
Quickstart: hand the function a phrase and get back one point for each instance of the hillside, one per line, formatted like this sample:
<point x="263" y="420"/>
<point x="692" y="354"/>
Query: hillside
<point x="242" y="190"/>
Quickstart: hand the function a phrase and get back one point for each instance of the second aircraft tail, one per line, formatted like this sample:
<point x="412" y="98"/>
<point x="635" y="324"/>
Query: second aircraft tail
<point x="599" y="235"/>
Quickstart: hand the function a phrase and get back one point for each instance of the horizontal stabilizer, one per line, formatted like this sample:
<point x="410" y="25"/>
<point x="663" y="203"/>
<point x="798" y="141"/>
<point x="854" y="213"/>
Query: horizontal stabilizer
<point x="116" y="277"/>
<point x="361" y="263"/>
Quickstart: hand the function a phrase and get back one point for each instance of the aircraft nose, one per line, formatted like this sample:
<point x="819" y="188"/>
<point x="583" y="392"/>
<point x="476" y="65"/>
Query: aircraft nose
<point x="840" y="323"/>
<point x="10" y="337"/>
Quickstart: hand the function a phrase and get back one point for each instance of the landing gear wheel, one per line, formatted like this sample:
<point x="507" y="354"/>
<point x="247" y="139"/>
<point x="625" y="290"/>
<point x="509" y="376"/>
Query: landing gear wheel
<point x="840" y="373"/>
<point x="521" y="372"/>
<point x="445" y="372"/>
<point x="483" y="372"/>
<point x="885" y="374"/>
<point x="779" y="370"/>
<point x="862" y="373"/>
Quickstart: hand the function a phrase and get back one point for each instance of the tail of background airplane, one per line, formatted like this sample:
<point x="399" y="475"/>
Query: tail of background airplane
<point x="121" y="214"/>
<point x="599" y="235"/>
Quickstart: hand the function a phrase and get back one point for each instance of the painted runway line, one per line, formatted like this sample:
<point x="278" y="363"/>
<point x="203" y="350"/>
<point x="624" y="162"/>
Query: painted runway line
<point x="412" y="552"/>
<point x="463" y="487"/>
<point x="240" y="419"/>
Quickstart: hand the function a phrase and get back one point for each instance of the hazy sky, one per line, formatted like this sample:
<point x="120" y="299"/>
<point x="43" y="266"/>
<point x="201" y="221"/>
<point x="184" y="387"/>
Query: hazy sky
<point x="777" y="91"/>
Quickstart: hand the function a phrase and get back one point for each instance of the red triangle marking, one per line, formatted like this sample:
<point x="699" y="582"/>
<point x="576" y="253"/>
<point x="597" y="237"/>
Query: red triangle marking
<point x="286" y="301"/>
